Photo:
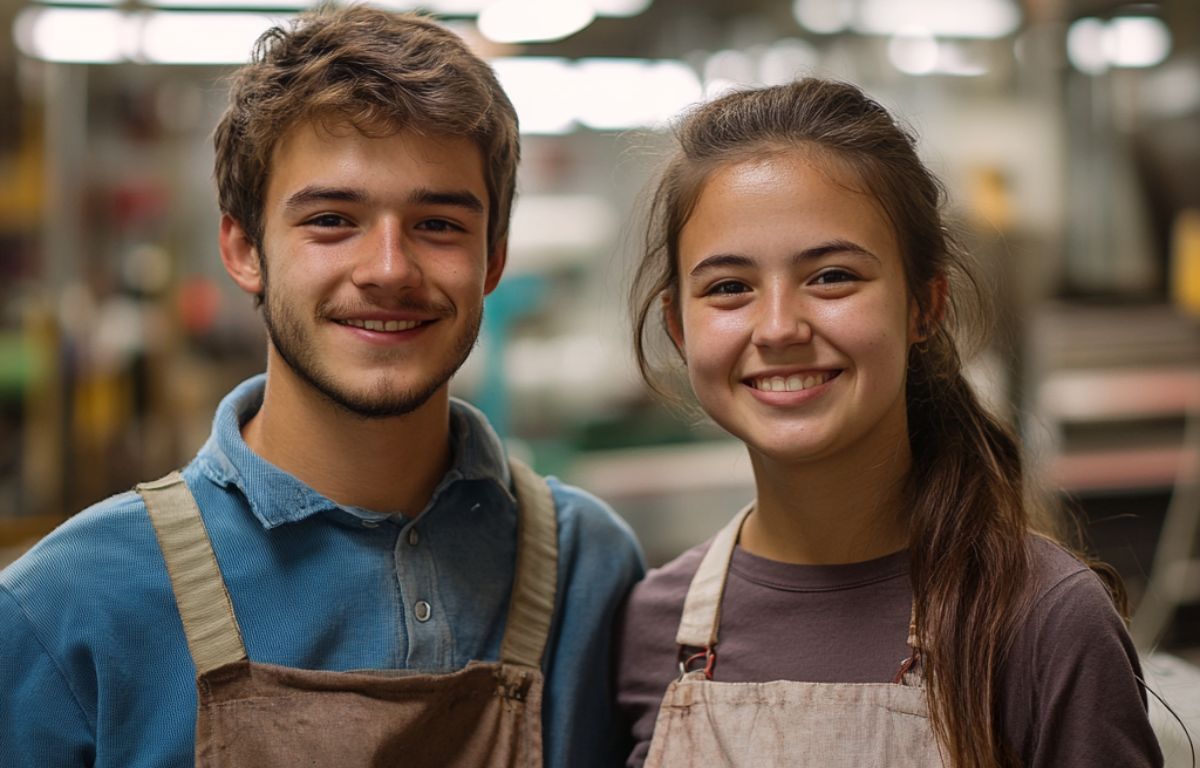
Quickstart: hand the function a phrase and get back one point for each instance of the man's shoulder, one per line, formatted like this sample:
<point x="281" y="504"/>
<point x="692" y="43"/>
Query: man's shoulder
<point x="582" y="514"/>
<point x="594" y="541"/>
<point x="98" y="533"/>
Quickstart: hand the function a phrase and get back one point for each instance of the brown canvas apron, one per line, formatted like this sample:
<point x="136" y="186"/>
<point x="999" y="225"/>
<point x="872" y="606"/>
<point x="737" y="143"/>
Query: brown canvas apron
<point x="267" y="716"/>
<point x="781" y="723"/>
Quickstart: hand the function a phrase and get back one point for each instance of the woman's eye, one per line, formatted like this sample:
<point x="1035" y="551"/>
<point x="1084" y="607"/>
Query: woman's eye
<point x="727" y="288"/>
<point x="831" y="276"/>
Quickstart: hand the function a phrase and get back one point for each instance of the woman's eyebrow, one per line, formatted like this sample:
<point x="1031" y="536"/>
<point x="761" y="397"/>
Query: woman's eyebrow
<point x="736" y="260"/>
<point x="834" y="246"/>
<point x="718" y="260"/>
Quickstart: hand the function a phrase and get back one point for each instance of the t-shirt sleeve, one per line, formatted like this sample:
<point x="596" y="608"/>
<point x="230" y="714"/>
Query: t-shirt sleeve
<point x="1071" y="686"/>
<point x="41" y="722"/>
<point x="646" y="653"/>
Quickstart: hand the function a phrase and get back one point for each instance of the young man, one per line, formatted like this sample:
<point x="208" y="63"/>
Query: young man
<point x="351" y="572"/>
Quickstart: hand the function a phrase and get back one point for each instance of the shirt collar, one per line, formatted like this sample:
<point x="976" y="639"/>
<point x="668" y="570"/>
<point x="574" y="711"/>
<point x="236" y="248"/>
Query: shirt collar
<point x="276" y="497"/>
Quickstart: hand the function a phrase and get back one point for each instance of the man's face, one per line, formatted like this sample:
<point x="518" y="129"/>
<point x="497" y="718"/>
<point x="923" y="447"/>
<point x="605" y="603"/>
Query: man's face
<point x="374" y="264"/>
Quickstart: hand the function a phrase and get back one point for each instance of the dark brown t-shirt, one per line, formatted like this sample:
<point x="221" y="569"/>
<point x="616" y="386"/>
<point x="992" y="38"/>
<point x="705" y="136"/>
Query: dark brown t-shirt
<point x="1069" y="696"/>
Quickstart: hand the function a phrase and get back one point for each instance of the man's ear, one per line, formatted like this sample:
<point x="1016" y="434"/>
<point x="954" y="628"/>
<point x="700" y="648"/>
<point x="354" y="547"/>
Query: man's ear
<point x="920" y="326"/>
<point x="240" y="256"/>
<point x="495" y="266"/>
<point x="671" y="320"/>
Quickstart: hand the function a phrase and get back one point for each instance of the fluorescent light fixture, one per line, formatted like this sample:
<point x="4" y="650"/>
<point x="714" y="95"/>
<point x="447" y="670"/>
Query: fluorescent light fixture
<point x="632" y="93"/>
<point x="540" y="89"/>
<point x="233" y="5"/>
<point x="73" y="35"/>
<point x="914" y="53"/>
<point x="1085" y="46"/>
<point x="825" y="17"/>
<point x="1137" y="41"/>
<point x="528" y="21"/>
<point x="1093" y="46"/>
<point x="108" y="36"/>
<point x="620" y="8"/>
<point x="941" y="18"/>
<point x="785" y="60"/>
<point x="199" y="37"/>
<point x="922" y="54"/>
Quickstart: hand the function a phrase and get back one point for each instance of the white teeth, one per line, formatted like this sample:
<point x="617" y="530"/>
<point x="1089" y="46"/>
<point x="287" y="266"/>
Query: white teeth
<point x="793" y="383"/>
<point x="382" y="325"/>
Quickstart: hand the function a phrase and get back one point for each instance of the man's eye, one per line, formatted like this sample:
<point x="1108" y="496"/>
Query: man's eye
<point x="439" y="225"/>
<point x="328" y="220"/>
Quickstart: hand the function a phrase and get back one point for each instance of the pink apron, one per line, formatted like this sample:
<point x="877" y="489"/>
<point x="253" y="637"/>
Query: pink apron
<point x="781" y="723"/>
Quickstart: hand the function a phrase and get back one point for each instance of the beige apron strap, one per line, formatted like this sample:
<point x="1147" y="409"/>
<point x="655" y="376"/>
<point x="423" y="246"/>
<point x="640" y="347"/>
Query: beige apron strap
<point x="212" y="632"/>
<point x="532" y="605"/>
<point x="702" y="607"/>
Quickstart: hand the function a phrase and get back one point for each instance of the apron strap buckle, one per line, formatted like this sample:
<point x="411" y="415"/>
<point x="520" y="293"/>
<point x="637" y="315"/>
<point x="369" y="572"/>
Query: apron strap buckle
<point x="709" y="655"/>
<point x="906" y="666"/>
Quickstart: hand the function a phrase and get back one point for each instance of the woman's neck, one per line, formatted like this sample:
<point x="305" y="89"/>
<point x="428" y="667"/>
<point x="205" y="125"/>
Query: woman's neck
<point x="829" y="512"/>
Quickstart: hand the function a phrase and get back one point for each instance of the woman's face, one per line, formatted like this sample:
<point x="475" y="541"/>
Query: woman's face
<point x="793" y="314"/>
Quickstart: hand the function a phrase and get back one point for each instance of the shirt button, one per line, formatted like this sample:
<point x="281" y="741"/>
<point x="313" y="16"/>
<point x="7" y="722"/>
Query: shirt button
<point x="370" y="523"/>
<point x="422" y="611"/>
<point x="413" y="537"/>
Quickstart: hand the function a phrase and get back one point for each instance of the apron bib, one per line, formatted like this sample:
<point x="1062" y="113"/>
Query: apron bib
<point x="781" y="723"/>
<point x="487" y="714"/>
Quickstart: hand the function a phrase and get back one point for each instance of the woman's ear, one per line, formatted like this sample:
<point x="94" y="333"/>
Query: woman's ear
<point x="921" y="324"/>
<point x="240" y="256"/>
<point x="672" y="322"/>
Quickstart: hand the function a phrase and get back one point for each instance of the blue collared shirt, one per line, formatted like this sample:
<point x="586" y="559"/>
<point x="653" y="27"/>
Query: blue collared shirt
<point x="94" y="667"/>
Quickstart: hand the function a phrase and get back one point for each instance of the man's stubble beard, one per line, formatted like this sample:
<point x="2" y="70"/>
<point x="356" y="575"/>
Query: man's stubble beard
<point x="286" y="333"/>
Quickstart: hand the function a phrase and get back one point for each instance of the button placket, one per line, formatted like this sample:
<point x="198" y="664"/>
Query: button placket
<point x="430" y="644"/>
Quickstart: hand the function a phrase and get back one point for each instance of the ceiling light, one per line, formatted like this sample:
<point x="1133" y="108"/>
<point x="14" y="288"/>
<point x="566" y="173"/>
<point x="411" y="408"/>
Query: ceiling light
<point x="825" y="17"/>
<point x="633" y="93"/>
<point x="528" y="81"/>
<point x="202" y="37"/>
<point x="941" y="18"/>
<point x="72" y="35"/>
<point x="529" y="21"/>
<point x="620" y="8"/>
<point x="1137" y="41"/>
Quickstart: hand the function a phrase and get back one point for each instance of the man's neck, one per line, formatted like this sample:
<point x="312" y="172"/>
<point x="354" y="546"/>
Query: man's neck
<point x="385" y="464"/>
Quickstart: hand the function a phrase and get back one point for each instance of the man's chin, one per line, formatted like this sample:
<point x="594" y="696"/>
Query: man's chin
<point x="376" y="404"/>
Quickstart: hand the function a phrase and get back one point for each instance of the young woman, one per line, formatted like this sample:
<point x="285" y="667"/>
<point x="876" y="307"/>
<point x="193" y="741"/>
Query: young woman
<point x="885" y="600"/>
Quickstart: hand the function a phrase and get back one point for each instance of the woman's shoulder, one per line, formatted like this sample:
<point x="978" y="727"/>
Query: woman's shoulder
<point x="666" y="586"/>
<point x="1058" y="577"/>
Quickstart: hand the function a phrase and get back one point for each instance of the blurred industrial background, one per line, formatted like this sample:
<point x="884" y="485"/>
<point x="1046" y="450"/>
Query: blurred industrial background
<point x="1068" y="132"/>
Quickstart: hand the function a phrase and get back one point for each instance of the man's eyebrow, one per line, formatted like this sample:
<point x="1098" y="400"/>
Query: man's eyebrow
<point x="315" y="194"/>
<point x="735" y="260"/>
<point x="319" y="194"/>
<point x="460" y="198"/>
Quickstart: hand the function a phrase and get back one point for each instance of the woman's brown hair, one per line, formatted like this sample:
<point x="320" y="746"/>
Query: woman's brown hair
<point x="968" y="519"/>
